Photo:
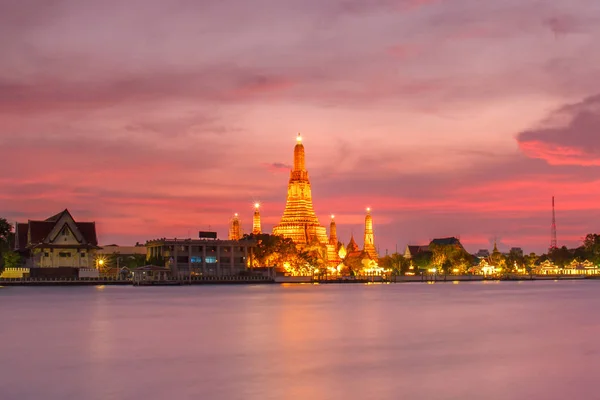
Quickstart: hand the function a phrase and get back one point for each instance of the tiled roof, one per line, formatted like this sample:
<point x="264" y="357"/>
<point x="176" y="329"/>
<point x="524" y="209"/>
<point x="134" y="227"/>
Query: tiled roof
<point x="88" y="230"/>
<point x="21" y="233"/>
<point x="35" y="232"/>
<point x="446" y="241"/>
<point x="352" y="246"/>
<point x="417" y="249"/>
<point x="56" y="217"/>
<point x="39" y="230"/>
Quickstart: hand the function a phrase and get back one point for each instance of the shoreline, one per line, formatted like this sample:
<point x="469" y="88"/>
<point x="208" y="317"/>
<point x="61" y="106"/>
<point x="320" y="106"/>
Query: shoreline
<point x="291" y="280"/>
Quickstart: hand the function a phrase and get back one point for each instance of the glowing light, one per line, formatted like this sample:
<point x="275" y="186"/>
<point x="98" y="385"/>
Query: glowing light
<point x="299" y="138"/>
<point x="332" y="216"/>
<point x="368" y="209"/>
<point x="256" y="205"/>
<point x="455" y="270"/>
<point x="235" y="215"/>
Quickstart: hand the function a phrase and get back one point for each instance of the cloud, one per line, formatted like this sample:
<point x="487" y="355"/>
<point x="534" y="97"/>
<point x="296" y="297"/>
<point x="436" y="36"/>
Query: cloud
<point x="562" y="25"/>
<point x="569" y="136"/>
<point x="278" y="167"/>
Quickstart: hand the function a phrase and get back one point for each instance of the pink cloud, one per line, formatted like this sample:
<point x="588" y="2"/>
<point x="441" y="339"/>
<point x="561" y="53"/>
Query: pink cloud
<point x="568" y="137"/>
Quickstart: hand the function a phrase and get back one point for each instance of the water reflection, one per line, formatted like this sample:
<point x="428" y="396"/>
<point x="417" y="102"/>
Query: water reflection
<point x="531" y="340"/>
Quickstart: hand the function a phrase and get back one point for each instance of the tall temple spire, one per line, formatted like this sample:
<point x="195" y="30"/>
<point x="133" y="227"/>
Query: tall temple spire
<point x="256" y="230"/>
<point x="235" y="233"/>
<point x="333" y="240"/>
<point x="299" y="161"/>
<point x="369" y="245"/>
<point x="299" y="221"/>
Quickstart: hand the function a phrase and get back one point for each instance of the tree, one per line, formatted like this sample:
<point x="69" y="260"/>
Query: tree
<point x="395" y="262"/>
<point x="450" y="259"/>
<point x="422" y="260"/>
<point x="6" y="239"/>
<point x="530" y="260"/>
<point x="11" y="260"/>
<point x="158" y="261"/>
<point x="591" y="244"/>
<point x="560" y="256"/>
<point x="272" y="250"/>
<point x="514" y="260"/>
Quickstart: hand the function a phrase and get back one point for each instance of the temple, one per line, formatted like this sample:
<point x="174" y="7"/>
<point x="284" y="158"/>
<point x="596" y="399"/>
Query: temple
<point x="369" y="244"/>
<point x="299" y="221"/>
<point x="256" y="229"/>
<point x="235" y="232"/>
<point x="333" y="239"/>
<point x="57" y="241"/>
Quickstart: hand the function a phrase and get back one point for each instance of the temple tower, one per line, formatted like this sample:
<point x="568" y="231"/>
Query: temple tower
<point x="333" y="240"/>
<point x="299" y="221"/>
<point x="352" y="246"/>
<point x="235" y="233"/>
<point x="256" y="230"/>
<point x="369" y="245"/>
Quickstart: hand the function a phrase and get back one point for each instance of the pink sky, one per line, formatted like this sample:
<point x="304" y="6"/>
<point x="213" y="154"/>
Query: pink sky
<point x="447" y="117"/>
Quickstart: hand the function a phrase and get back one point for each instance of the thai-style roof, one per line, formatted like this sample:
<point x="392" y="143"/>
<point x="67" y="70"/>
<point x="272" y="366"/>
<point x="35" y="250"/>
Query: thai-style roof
<point x="35" y="233"/>
<point x="417" y="249"/>
<point x="449" y="241"/>
<point x="352" y="246"/>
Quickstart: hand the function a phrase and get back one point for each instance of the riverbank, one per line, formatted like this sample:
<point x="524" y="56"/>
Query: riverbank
<point x="253" y="280"/>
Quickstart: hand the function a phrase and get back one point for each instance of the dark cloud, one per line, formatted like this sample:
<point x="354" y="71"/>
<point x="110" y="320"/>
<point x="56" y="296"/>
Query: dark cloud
<point x="278" y="167"/>
<point x="569" y="136"/>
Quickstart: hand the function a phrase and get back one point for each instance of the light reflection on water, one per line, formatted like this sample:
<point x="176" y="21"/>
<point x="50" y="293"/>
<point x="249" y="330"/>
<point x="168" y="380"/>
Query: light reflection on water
<point x="532" y="340"/>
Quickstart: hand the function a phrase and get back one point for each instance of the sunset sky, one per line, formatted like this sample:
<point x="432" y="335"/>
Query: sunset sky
<point x="447" y="117"/>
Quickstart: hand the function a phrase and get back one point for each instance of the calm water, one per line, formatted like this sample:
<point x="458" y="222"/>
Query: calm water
<point x="530" y="340"/>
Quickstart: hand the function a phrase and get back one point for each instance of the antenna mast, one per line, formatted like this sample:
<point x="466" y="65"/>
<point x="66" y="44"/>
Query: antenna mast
<point x="553" y="244"/>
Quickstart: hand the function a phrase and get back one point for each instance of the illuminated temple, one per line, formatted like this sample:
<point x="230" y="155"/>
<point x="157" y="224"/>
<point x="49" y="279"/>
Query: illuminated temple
<point x="299" y="221"/>
<point x="301" y="224"/>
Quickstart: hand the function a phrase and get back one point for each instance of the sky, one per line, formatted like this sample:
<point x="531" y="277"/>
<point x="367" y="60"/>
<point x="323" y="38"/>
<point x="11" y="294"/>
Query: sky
<point x="446" y="117"/>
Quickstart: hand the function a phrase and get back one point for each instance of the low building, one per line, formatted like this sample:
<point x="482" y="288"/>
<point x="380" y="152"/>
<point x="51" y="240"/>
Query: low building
<point x="516" y="251"/>
<point x="58" y="241"/>
<point x="207" y="257"/>
<point x="115" y="257"/>
<point x="482" y="253"/>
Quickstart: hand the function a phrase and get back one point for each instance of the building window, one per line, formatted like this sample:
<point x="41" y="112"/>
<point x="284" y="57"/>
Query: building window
<point x="211" y="249"/>
<point x="64" y="255"/>
<point x="211" y="260"/>
<point x="46" y="254"/>
<point x="196" y="260"/>
<point x="182" y="259"/>
<point x="226" y="260"/>
<point x="82" y="254"/>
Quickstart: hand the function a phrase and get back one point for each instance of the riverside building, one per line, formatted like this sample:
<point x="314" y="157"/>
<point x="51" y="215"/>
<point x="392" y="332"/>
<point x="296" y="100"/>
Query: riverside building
<point x="204" y="256"/>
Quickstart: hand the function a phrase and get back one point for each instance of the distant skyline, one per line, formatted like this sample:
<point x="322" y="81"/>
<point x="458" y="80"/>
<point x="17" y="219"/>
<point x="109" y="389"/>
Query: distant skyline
<point x="448" y="118"/>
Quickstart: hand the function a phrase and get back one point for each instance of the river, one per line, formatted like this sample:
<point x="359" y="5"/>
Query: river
<point x="472" y="340"/>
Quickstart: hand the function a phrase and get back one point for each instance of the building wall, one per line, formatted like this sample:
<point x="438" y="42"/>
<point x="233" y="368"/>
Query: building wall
<point x="206" y="257"/>
<point x="123" y="250"/>
<point x="62" y="257"/>
<point x="68" y="257"/>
